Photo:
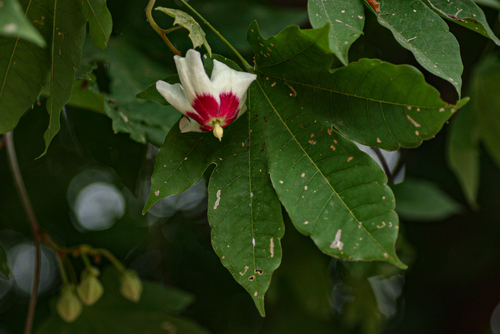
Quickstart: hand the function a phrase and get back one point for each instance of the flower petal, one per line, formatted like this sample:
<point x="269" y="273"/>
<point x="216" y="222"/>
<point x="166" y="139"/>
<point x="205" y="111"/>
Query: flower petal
<point x="187" y="124"/>
<point x="225" y="79"/>
<point x="193" y="77"/>
<point x="175" y="95"/>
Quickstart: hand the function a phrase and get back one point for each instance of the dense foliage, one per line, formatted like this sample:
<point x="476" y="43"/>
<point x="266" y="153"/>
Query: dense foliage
<point x="342" y="138"/>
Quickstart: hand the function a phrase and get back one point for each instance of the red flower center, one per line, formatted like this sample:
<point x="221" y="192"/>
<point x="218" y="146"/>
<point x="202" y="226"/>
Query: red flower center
<point x="208" y="111"/>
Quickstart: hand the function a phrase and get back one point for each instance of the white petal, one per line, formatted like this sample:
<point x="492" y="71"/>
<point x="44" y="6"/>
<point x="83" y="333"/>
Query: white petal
<point x="175" y="95"/>
<point x="193" y="77"/>
<point x="225" y="79"/>
<point x="188" y="124"/>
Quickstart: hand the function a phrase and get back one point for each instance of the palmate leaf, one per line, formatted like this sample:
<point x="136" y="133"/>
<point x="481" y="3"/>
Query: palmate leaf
<point x="465" y="13"/>
<point x="417" y="28"/>
<point x="346" y="20"/>
<point x="331" y="190"/>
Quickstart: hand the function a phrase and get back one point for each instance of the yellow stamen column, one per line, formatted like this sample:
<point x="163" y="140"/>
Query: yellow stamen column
<point x="218" y="131"/>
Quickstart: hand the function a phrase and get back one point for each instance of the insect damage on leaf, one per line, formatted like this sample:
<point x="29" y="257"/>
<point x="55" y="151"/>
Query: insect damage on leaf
<point x="374" y="4"/>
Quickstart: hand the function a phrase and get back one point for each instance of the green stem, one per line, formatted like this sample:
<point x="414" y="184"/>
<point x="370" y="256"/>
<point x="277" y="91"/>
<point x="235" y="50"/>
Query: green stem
<point x="121" y="268"/>
<point x="64" y="275"/>
<point x="86" y="260"/>
<point x="240" y="57"/>
<point x="159" y="30"/>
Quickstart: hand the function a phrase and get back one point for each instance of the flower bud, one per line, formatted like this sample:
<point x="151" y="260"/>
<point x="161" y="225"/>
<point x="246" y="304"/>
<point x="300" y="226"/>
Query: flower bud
<point x="90" y="289"/>
<point x="131" y="285"/>
<point x="69" y="306"/>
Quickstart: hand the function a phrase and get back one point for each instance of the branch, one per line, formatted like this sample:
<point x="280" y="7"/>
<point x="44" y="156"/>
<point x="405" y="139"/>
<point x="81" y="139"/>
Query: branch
<point x="35" y="227"/>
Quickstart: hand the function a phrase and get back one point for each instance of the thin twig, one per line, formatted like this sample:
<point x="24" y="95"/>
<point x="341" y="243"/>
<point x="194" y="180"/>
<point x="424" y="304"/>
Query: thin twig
<point x="385" y="166"/>
<point x="159" y="30"/>
<point x="35" y="227"/>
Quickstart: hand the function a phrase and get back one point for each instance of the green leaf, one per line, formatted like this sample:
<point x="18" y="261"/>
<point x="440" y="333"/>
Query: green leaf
<point x="346" y="20"/>
<point x="4" y="263"/>
<point x="485" y="88"/>
<point x="332" y="191"/>
<point x="490" y="3"/>
<point x="196" y="34"/>
<point x="244" y="211"/>
<point x="466" y="13"/>
<point x="13" y="23"/>
<point x="372" y="102"/>
<point x="417" y="28"/>
<point x="152" y="94"/>
<point x="421" y="200"/>
<point x="67" y="37"/>
<point x="463" y="152"/>
<point x="130" y="71"/>
<point x="100" y="22"/>
<point x="23" y="68"/>
<point x="115" y="314"/>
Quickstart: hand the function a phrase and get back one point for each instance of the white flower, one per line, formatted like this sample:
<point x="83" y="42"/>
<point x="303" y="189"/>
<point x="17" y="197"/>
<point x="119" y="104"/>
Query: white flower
<point x="208" y="104"/>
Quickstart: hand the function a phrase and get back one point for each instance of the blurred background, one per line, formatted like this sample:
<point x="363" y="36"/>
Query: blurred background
<point x="92" y="185"/>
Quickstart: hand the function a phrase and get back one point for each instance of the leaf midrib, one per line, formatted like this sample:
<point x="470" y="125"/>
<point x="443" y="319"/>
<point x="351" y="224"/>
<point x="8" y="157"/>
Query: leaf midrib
<point x="319" y="171"/>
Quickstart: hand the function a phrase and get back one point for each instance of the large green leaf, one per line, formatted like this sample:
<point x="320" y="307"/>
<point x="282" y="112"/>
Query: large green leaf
<point x="465" y="13"/>
<point x="417" y="28"/>
<point x="372" y="102"/>
<point x="67" y="37"/>
<point x="100" y="22"/>
<point x="346" y="20"/>
<point x="23" y="67"/>
<point x="14" y="23"/>
<point x="331" y="190"/>
<point x="491" y="3"/>
<point x="115" y="314"/>
<point x="4" y="263"/>
<point x="463" y="152"/>
<point x="243" y="209"/>
<point x="485" y="88"/>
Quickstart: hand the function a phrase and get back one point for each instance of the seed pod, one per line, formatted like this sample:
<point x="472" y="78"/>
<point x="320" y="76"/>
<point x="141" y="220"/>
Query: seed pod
<point x="131" y="285"/>
<point x="69" y="306"/>
<point x="90" y="289"/>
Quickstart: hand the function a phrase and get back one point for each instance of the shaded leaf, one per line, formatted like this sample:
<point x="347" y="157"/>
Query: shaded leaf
<point x="463" y="152"/>
<point x="346" y="20"/>
<point x="67" y="37"/>
<point x="485" y="88"/>
<point x="4" y="263"/>
<point x="100" y="21"/>
<point x="115" y="314"/>
<point x="130" y="71"/>
<point x="421" y="200"/>
<point x="152" y="94"/>
<point x="23" y="68"/>
<point x="490" y="3"/>
<point x="332" y="191"/>
<point x="417" y="28"/>
<point x="466" y="13"/>
<point x="196" y="33"/>
<point x="13" y="23"/>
